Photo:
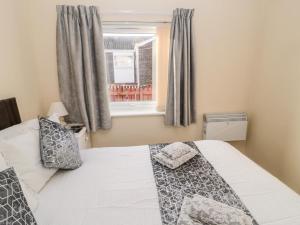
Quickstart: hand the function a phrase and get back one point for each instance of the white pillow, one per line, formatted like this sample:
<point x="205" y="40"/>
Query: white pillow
<point x="23" y="153"/>
<point x="23" y="127"/>
<point x="30" y="195"/>
<point x="12" y="131"/>
<point x="34" y="123"/>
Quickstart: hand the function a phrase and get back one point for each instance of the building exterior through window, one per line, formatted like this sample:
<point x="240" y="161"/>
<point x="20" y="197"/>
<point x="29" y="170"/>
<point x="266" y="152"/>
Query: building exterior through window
<point x="130" y="65"/>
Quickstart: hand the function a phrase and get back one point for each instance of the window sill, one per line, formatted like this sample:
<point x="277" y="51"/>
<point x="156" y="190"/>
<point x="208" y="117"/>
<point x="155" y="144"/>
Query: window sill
<point x="136" y="113"/>
<point x="134" y="109"/>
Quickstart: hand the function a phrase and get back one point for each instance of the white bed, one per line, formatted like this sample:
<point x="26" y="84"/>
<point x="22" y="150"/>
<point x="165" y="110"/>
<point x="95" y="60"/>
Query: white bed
<point x="115" y="186"/>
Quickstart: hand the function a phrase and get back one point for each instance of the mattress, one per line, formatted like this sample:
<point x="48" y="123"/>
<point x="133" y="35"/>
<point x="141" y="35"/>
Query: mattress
<point x="115" y="186"/>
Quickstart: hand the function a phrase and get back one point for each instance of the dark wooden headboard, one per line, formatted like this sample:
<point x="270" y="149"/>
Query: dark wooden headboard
<point x="9" y="113"/>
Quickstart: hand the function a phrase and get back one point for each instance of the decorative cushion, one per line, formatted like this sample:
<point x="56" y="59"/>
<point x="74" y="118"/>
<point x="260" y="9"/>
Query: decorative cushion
<point x="58" y="145"/>
<point x="13" y="205"/>
<point x="176" y="150"/>
<point x="184" y="217"/>
<point x="23" y="153"/>
<point x="209" y="211"/>
<point x="30" y="195"/>
<point x="174" y="163"/>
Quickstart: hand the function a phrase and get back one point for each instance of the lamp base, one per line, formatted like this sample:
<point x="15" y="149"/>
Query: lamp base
<point x="62" y="121"/>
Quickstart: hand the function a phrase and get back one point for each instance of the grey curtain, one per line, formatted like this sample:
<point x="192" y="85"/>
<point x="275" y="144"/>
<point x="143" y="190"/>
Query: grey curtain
<point x="81" y="66"/>
<point x="180" y="107"/>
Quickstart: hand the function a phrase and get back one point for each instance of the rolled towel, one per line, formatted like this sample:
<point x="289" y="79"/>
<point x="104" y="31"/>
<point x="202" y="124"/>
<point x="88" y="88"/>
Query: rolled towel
<point x="174" y="163"/>
<point x="184" y="218"/>
<point x="176" y="150"/>
<point x="209" y="211"/>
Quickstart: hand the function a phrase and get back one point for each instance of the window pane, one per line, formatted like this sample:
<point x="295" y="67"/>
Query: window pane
<point x="130" y="66"/>
<point x="123" y="59"/>
<point x="123" y="68"/>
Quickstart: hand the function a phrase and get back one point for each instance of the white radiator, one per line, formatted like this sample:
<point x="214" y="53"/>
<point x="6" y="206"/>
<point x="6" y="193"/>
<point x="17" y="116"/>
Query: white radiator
<point x="225" y="126"/>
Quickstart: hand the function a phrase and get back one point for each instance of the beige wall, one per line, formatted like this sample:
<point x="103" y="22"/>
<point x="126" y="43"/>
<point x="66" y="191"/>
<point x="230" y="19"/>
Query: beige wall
<point x="225" y="39"/>
<point x="274" y="140"/>
<point x="17" y="76"/>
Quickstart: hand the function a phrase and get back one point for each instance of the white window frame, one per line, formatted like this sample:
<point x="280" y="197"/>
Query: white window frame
<point x="138" y="108"/>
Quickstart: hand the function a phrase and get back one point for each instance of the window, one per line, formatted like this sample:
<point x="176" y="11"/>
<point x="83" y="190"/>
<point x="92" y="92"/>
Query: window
<point x="130" y="54"/>
<point x="123" y="67"/>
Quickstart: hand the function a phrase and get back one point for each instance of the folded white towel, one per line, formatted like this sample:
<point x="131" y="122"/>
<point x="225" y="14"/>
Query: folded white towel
<point x="174" y="163"/>
<point x="184" y="218"/>
<point x="212" y="212"/>
<point x="176" y="150"/>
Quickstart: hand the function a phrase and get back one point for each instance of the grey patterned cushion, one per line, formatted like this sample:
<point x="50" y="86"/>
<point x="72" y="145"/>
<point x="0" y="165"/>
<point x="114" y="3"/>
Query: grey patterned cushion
<point x="58" y="145"/>
<point x="200" y="210"/>
<point x="184" y="217"/>
<point x="13" y="205"/>
<point x="209" y="211"/>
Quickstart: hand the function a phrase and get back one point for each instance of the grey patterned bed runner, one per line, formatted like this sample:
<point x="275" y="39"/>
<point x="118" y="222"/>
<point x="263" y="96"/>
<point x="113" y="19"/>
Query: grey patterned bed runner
<point x="197" y="176"/>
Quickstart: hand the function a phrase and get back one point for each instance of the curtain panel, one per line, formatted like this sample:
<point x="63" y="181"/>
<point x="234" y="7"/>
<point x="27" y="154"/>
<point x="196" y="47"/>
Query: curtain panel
<point x="180" y="107"/>
<point x="81" y="66"/>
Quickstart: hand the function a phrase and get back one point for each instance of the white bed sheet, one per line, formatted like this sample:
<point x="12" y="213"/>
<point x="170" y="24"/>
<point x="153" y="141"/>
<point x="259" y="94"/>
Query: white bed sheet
<point x="115" y="186"/>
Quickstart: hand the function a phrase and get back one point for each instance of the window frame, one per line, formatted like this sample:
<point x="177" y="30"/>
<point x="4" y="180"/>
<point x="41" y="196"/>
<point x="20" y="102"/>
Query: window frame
<point x="137" y="108"/>
<point x="134" y="108"/>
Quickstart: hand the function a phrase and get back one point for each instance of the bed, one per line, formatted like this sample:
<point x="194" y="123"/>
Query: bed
<point x="116" y="186"/>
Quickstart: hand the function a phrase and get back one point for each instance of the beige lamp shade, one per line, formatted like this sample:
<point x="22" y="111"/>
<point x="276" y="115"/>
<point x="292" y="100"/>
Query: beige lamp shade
<point x="57" y="108"/>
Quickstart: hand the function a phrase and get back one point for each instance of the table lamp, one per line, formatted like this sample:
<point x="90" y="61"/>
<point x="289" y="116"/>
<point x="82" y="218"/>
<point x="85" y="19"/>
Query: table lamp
<point x="59" y="109"/>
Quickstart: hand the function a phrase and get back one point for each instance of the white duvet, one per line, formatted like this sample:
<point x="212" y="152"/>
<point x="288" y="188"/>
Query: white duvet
<point x="115" y="186"/>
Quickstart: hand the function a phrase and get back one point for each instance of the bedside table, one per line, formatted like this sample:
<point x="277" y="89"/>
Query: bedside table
<point x="83" y="139"/>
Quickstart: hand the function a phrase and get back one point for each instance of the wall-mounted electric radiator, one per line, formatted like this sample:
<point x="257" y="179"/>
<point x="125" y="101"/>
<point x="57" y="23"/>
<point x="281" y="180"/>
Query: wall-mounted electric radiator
<point x="225" y="126"/>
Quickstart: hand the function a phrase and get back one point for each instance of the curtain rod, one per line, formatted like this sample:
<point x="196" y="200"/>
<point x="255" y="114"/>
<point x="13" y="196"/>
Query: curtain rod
<point x="138" y="22"/>
<point x="138" y="13"/>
